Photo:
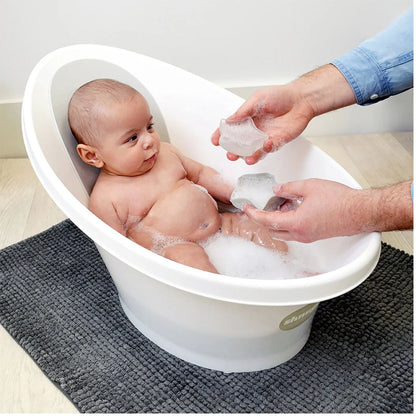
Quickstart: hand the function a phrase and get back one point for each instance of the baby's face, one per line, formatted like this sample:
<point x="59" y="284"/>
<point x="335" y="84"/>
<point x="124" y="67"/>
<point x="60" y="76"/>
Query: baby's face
<point x="128" y="144"/>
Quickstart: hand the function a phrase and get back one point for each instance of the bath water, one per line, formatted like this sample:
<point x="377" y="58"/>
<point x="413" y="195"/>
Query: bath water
<point x="234" y="256"/>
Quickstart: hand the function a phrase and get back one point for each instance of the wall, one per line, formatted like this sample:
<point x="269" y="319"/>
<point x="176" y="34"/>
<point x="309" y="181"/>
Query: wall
<point x="238" y="44"/>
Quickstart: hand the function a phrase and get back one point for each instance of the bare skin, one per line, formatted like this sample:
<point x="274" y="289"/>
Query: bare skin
<point x="284" y="111"/>
<point x="348" y="212"/>
<point x="154" y="195"/>
<point x="328" y="209"/>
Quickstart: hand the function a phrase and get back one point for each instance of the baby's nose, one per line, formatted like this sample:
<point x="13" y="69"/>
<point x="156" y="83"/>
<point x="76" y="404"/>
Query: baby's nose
<point x="147" y="141"/>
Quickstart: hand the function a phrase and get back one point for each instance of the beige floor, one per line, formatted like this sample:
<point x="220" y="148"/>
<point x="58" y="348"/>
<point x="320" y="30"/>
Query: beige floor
<point x="374" y="160"/>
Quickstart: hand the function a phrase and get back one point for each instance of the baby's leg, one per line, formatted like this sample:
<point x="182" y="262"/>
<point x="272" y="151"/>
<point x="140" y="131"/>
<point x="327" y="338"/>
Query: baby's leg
<point x="190" y="254"/>
<point x="185" y="252"/>
<point x="242" y="226"/>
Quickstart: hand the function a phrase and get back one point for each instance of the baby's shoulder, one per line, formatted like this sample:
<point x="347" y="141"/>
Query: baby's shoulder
<point x="168" y="148"/>
<point x="100" y="198"/>
<point x="114" y="193"/>
<point x="106" y="191"/>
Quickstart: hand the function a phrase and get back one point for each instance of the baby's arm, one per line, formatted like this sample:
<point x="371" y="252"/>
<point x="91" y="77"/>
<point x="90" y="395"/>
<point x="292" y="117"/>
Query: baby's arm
<point x="207" y="177"/>
<point x="240" y="225"/>
<point x="104" y="209"/>
<point x="107" y="211"/>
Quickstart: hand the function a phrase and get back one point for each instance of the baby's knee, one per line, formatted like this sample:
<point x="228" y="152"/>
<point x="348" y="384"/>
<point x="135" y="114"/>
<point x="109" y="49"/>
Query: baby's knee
<point x="190" y="254"/>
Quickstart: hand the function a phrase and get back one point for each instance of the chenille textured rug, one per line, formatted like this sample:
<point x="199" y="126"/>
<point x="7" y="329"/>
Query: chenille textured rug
<point x="59" y="303"/>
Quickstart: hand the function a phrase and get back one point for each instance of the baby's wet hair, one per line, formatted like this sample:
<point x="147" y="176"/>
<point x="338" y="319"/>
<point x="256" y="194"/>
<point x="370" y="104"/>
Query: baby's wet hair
<point x="84" y="106"/>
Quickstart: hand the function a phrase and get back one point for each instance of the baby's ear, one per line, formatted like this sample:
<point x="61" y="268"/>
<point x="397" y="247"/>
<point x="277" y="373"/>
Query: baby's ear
<point x="89" y="155"/>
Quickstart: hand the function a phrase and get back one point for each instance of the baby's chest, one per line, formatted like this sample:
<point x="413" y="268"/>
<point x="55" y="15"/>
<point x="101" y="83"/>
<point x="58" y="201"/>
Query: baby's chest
<point x="140" y="199"/>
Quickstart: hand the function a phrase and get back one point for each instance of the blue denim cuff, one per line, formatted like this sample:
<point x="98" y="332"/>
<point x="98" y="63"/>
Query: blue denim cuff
<point x="383" y="65"/>
<point x="363" y="75"/>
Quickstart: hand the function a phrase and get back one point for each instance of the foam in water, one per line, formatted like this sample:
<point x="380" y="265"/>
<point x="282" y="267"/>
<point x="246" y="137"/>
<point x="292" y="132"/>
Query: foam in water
<point x="241" y="137"/>
<point x="234" y="256"/>
<point x="159" y="241"/>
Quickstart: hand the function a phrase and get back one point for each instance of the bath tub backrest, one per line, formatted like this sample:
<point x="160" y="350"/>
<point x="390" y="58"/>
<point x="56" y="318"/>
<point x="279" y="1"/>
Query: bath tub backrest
<point x="70" y="77"/>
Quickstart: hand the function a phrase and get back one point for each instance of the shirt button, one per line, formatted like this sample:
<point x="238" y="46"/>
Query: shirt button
<point x="374" y="97"/>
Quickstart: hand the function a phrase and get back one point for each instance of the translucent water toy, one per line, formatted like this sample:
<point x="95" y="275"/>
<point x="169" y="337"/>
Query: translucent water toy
<point x="241" y="137"/>
<point x="257" y="190"/>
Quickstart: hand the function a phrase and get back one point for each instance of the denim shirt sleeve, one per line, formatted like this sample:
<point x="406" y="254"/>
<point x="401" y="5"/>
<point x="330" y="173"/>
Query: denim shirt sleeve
<point x="383" y="65"/>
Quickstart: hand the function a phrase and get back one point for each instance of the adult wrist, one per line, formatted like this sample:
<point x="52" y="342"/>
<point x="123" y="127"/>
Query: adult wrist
<point x="324" y="89"/>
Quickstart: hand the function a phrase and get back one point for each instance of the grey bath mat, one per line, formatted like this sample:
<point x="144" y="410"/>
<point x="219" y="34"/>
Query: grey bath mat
<point x="59" y="303"/>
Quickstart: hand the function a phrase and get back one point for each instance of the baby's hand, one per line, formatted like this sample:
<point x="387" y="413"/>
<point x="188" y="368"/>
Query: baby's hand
<point x="242" y="226"/>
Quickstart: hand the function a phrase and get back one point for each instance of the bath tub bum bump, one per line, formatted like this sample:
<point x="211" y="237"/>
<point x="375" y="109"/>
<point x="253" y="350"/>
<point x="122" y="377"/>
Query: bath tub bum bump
<point x="256" y="189"/>
<point x="241" y="137"/>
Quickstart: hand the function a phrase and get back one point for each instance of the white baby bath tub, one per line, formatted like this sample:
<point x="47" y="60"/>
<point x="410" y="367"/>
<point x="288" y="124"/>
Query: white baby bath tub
<point x="220" y="322"/>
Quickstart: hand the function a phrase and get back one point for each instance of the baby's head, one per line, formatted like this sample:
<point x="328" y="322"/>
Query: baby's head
<point x="90" y="103"/>
<point x="108" y="119"/>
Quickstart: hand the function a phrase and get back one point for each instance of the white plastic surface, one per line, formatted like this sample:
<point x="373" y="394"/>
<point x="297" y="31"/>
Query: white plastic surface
<point x="178" y="307"/>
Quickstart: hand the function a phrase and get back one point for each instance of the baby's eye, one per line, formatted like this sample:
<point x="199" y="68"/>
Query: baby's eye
<point x="132" y="139"/>
<point x="150" y="126"/>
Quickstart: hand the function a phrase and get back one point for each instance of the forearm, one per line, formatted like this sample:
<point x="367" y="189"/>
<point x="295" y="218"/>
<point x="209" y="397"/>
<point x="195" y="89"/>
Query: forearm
<point x="207" y="177"/>
<point x="324" y="89"/>
<point x="384" y="209"/>
<point x="215" y="184"/>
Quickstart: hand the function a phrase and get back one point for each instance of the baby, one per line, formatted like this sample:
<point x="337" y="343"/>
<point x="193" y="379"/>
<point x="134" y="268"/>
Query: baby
<point x="146" y="189"/>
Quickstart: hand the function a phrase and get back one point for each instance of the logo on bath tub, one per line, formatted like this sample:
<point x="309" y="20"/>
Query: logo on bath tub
<point x="298" y="317"/>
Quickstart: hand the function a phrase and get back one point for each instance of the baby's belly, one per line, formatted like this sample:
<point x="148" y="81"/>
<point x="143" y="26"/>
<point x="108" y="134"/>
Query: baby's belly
<point x="187" y="212"/>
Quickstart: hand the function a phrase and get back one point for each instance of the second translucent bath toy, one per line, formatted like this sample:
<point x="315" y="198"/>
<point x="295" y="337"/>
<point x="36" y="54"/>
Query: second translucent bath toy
<point x="256" y="189"/>
<point x="241" y="137"/>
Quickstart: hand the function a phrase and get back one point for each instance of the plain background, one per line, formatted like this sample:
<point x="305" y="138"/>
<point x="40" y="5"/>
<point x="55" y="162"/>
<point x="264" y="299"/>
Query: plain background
<point x="238" y="44"/>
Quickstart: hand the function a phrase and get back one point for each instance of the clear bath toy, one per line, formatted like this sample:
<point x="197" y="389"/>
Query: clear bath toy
<point x="241" y="137"/>
<point x="257" y="190"/>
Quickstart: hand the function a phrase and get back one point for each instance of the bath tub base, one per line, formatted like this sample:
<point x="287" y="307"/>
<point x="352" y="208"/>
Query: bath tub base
<point x="224" y="353"/>
<point x="211" y="333"/>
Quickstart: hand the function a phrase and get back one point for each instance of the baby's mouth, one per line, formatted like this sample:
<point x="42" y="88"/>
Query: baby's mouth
<point x="151" y="159"/>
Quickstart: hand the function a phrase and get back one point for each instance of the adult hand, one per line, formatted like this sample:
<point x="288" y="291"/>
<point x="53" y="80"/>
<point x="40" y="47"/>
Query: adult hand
<point x="330" y="209"/>
<point x="279" y="112"/>
<point x="284" y="111"/>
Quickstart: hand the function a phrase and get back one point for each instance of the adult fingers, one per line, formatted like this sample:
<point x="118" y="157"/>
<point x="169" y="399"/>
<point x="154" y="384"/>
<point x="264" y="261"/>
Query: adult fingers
<point x="274" y="220"/>
<point x="255" y="157"/>
<point x="232" y="156"/>
<point x="269" y="146"/>
<point x="215" y="138"/>
<point x="247" y="109"/>
<point x="290" y="190"/>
